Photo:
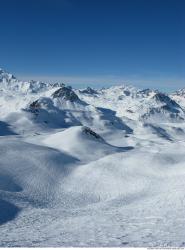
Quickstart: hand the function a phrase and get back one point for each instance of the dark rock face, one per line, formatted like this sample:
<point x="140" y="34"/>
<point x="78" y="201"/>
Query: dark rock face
<point x="144" y="92"/>
<point x="160" y="97"/>
<point x="89" y="131"/>
<point x="41" y="103"/>
<point x="66" y="93"/>
<point x="57" y="84"/>
<point x="35" y="105"/>
<point x="89" y="91"/>
<point x="126" y="92"/>
<point x="130" y="111"/>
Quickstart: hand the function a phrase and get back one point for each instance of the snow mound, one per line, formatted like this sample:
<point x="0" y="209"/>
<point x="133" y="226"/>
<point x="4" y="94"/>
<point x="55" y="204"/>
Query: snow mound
<point x="82" y="142"/>
<point x="31" y="171"/>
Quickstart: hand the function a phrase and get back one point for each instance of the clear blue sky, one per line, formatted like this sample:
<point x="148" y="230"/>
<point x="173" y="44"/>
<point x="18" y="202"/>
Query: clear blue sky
<point x="95" y="42"/>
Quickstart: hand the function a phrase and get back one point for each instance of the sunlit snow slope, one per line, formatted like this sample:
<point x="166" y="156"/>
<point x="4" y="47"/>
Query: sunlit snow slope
<point x="90" y="167"/>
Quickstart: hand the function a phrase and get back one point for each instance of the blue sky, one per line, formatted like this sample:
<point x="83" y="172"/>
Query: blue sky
<point x="95" y="42"/>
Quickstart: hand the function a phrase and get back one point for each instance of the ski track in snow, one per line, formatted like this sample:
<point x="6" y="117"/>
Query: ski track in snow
<point x="90" y="167"/>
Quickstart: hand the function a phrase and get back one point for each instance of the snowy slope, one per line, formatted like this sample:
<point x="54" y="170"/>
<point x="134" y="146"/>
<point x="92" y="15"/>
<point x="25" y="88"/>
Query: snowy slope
<point x="88" y="140"/>
<point x="90" y="167"/>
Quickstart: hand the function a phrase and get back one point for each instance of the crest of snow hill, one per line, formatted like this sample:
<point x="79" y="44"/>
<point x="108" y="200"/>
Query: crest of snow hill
<point x="55" y="105"/>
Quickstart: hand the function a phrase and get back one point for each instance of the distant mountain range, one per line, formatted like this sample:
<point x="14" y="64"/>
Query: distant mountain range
<point x="54" y="105"/>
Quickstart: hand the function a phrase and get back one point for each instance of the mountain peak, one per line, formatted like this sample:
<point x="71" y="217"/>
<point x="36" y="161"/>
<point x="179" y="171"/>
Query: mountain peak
<point x="89" y="91"/>
<point x="65" y="93"/>
<point x="6" y="76"/>
<point x="161" y="97"/>
<point x="180" y="92"/>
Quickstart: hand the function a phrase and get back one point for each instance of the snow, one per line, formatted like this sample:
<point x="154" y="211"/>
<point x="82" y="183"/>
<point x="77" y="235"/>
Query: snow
<point x="90" y="167"/>
<point x="70" y="139"/>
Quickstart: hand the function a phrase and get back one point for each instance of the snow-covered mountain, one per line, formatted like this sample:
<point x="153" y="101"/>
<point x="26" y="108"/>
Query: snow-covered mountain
<point x="64" y="108"/>
<point x="90" y="167"/>
<point x="179" y="97"/>
<point x="125" y="101"/>
<point x="9" y="83"/>
<point x="137" y="104"/>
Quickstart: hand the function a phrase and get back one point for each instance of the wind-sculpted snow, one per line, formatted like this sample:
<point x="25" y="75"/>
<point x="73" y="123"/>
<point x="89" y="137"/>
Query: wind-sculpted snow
<point x="90" y="167"/>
